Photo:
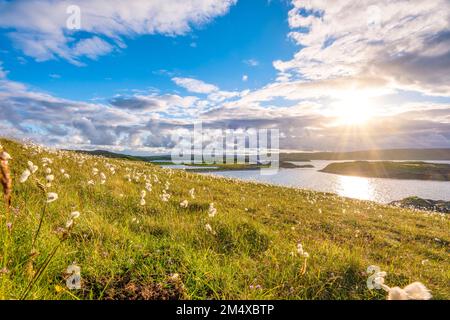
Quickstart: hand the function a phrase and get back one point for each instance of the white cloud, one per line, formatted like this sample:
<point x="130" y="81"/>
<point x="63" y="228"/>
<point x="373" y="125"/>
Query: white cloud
<point x="39" y="26"/>
<point x="92" y="48"/>
<point x="244" y="77"/>
<point x="404" y="41"/>
<point x="251" y="62"/>
<point x="194" y="85"/>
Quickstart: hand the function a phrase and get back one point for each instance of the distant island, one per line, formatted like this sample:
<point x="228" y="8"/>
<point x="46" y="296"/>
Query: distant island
<point x="386" y="154"/>
<point x="393" y="170"/>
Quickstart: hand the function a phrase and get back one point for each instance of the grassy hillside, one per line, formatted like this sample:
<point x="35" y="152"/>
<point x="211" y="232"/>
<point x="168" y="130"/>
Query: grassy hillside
<point x="159" y="250"/>
<point x="395" y="170"/>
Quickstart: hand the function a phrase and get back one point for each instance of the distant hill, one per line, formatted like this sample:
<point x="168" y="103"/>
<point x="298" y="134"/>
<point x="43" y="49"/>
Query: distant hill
<point x="113" y="155"/>
<point x="388" y="154"/>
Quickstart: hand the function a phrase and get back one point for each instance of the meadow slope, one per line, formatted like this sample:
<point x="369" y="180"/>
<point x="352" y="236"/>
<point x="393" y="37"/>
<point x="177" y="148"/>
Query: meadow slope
<point x="128" y="249"/>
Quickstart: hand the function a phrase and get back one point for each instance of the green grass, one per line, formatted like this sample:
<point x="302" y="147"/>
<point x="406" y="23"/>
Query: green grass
<point x="129" y="251"/>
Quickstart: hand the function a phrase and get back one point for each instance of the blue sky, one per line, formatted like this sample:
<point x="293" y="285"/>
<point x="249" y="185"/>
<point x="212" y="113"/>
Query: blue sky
<point x="219" y="53"/>
<point x="340" y="75"/>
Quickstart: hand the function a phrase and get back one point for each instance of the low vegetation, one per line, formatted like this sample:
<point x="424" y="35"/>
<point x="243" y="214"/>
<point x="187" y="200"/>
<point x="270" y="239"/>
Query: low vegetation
<point x="137" y="231"/>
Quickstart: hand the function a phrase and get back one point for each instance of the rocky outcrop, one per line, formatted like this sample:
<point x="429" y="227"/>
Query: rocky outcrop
<point x="423" y="204"/>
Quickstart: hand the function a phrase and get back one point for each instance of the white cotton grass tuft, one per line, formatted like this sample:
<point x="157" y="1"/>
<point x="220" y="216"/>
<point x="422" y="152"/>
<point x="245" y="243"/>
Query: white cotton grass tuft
<point x="413" y="291"/>
<point x="52" y="196"/>
<point x="192" y="193"/>
<point x="66" y="176"/>
<point x="69" y="223"/>
<point x="5" y="156"/>
<point x="212" y="211"/>
<point x="142" y="194"/>
<point x="165" y="196"/>
<point x="75" y="215"/>
<point x="209" y="228"/>
<point x="32" y="167"/>
<point x="24" y="176"/>
<point x="184" y="204"/>
<point x="90" y="182"/>
<point x="48" y="171"/>
<point x="50" y="178"/>
<point x="102" y="178"/>
<point x="301" y="251"/>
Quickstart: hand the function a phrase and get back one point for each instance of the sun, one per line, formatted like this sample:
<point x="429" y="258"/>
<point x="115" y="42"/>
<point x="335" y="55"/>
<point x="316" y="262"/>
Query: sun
<point x="354" y="110"/>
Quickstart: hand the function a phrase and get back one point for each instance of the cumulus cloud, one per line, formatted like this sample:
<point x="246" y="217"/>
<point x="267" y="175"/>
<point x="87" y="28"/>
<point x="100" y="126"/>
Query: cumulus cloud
<point x="196" y="86"/>
<point x="402" y="41"/>
<point x="39" y="27"/>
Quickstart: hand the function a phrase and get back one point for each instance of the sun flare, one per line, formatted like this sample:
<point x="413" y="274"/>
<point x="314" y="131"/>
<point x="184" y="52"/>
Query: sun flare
<point x="354" y="110"/>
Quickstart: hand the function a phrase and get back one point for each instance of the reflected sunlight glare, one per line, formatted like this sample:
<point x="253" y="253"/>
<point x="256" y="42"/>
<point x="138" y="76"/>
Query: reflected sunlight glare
<point x="355" y="187"/>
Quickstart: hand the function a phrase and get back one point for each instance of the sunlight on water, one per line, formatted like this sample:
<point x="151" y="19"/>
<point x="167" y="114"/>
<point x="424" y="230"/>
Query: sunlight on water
<point x="355" y="187"/>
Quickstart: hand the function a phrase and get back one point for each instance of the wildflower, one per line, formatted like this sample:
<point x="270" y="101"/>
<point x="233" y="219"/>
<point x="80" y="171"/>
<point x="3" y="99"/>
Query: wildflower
<point x="62" y="171"/>
<point x="75" y="214"/>
<point x="184" y="204"/>
<point x="91" y="183"/>
<point x="59" y="289"/>
<point x="425" y="261"/>
<point x="94" y="171"/>
<point x="48" y="171"/>
<point x="143" y="193"/>
<point x="51" y="196"/>
<point x="25" y="175"/>
<point x="212" y="211"/>
<point x="50" y="178"/>
<point x="66" y="176"/>
<point x="192" y="193"/>
<point x="142" y="202"/>
<point x="148" y="186"/>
